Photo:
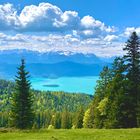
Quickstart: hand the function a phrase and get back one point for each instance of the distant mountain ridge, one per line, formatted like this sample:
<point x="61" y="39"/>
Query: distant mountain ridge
<point x="53" y="70"/>
<point x="14" y="56"/>
<point x="51" y="64"/>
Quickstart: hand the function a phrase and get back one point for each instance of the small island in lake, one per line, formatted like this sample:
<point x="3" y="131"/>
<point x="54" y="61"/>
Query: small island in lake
<point x="52" y="85"/>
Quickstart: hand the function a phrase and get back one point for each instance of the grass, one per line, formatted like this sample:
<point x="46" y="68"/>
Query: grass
<point x="83" y="134"/>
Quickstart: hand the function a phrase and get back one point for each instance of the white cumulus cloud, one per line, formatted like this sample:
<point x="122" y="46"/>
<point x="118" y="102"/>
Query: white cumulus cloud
<point x="46" y="17"/>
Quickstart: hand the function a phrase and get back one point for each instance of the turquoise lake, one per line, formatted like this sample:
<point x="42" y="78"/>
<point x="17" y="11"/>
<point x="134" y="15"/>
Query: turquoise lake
<point x="68" y="84"/>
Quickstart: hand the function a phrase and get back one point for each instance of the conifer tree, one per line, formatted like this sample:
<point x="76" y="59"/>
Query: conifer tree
<point x="88" y="118"/>
<point x="132" y="59"/>
<point x="22" y="100"/>
<point x="116" y="108"/>
<point x="56" y="120"/>
<point x="104" y="79"/>
<point x="66" y="120"/>
<point x="100" y="94"/>
<point x="79" y="118"/>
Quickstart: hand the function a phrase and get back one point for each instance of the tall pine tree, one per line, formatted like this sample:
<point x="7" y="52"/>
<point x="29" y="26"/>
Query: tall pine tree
<point x="66" y="120"/>
<point x="22" y="100"/>
<point x="132" y="59"/>
<point x="100" y="96"/>
<point x="116" y="107"/>
<point x="79" y="118"/>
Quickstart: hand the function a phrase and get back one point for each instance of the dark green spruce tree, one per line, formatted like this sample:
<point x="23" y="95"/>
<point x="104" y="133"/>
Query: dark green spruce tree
<point x="132" y="59"/>
<point x="22" y="100"/>
<point x="100" y="97"/>
<point x="66" y="120"/>
<point x="79" y="118"/>
<point x="117" y="102"/>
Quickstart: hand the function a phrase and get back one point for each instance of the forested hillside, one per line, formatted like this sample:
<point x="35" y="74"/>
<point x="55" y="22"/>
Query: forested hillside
<point x="45" y="103"/>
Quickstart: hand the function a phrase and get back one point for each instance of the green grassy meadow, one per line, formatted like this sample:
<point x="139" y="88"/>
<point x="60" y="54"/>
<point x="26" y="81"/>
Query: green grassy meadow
<point x="81" y="134"/>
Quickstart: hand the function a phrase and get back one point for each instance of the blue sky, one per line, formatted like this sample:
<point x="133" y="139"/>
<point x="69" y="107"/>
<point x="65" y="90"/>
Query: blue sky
<point x="92" y="26"/>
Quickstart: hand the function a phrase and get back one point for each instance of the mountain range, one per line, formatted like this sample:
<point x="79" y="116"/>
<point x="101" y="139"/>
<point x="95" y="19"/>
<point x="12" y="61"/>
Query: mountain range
<point x="52" y="64"/>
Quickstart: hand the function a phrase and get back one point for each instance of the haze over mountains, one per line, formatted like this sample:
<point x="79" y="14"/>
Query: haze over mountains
<point x="51" y="64"/>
